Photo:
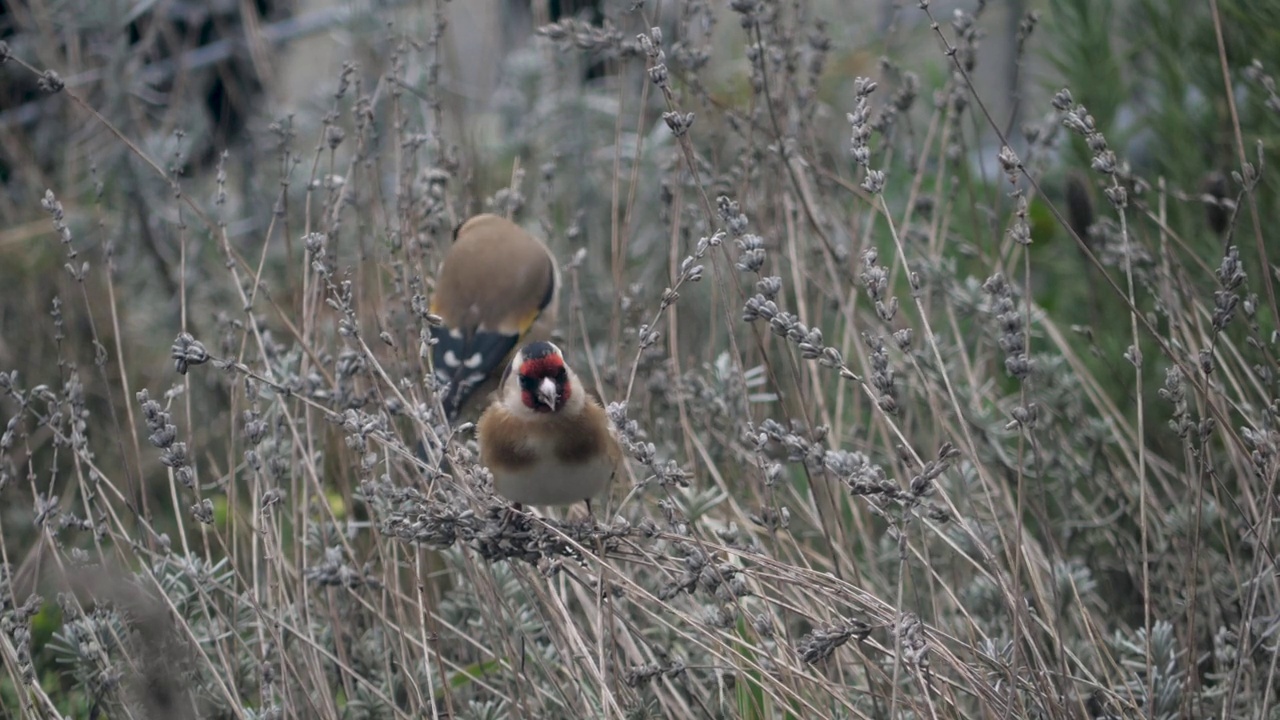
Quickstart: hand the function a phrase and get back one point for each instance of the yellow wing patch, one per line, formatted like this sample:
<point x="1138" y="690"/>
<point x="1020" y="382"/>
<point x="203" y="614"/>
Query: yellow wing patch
<point x="521" y="323"/>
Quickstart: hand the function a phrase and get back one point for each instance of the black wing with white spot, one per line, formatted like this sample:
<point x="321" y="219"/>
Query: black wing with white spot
<point x="463" y="362"/>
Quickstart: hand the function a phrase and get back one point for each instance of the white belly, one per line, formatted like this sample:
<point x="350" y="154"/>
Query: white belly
<point x="554" y="483"/>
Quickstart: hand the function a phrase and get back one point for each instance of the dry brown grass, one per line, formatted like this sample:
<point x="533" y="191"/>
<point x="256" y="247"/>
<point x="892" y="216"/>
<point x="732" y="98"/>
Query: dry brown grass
<point x="903" y="441"/>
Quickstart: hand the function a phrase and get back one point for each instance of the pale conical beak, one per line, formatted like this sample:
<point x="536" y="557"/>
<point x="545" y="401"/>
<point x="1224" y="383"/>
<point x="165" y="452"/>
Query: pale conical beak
<point x="548" y="393"/>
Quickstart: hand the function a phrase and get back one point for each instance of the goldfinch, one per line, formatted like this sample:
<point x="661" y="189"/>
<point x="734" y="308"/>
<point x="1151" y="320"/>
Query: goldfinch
<point x="497" y="286"/>
<point x="544" y="438"/>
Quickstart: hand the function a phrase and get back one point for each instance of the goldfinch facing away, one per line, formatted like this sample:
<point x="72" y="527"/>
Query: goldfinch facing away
<point x="498" y="286"/>
<point x="546" y="441"/>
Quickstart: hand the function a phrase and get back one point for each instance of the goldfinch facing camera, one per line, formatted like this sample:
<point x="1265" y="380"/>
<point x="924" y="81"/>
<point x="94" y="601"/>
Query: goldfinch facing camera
<point x="546" y="441"/>
<point x="497" y="286"/>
